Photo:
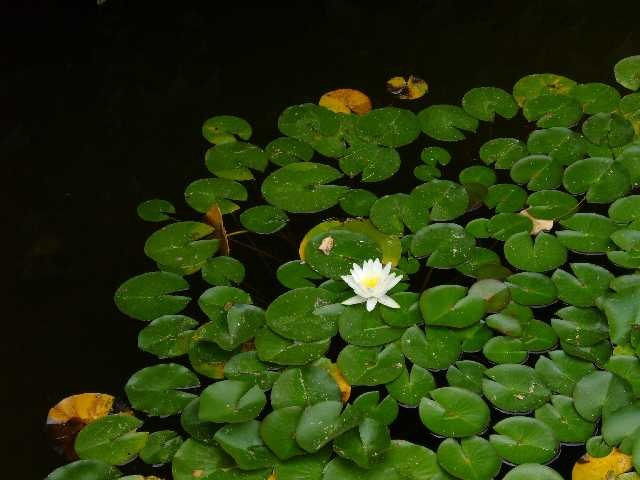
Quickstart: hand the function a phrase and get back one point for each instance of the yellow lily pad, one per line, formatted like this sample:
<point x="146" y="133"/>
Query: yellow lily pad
<point x="410" y="88"/>
<point x="605" y="468"/>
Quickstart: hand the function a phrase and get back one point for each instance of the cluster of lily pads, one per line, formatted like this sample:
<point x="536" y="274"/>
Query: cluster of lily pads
<point x="264" y="392"/>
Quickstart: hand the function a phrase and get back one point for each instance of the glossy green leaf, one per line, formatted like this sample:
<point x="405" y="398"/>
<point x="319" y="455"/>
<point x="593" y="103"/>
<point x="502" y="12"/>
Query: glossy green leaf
<point x="409" y="387"/>
<point x="505" y="198"/>
<point x="484" y="102"/>
<point x="587" y="283"/>
<point x="524" y="440"/>
<point x="202" y="194"/>
<point x="596" y="97"/>
<point x="147" y="296"/>
<point x="360" y="327"/>
<point x="357" y="202"/>
<point x="314" y="125"/>
<point x="182" y="245"/>
<point x="538" y="172"/>
<point x="264" y="219"/>
<point x="532" y="289"/>
<point x="560" y="372"/>
<point x="446" y="122"/>
<point x="551" y="204"/>
<point x="528" y="471"/>
<point x="231" y="401"/>
<point x="193" y="456"/>
<point x="550" y="110"/>
<point x="112" y="439"/>
<point x="224" y="128"/>
<point x="160" y="448"/>
<point x="370" y="365"/>
<point x="627" y="72"/>
<point x="435" y="348"/>
<point x="540" y="255"/>
<point x="302" y="387"/>
<point x="608" y="129"/>
<point x="454" y="412"/>
<point x="599" y="393"/>
<point x="471" y="458"/>
<point x="364" y="445"/>
<point x="502" y="349"/>
<point x="167" y="336"/>
<point x="466" y="374"/>
<point x="567" y="425"/>
<point x="449" y="306"/>
<point x="561" y="144"/>
<point x="235" y="160"/>
<point x="514" y="388"/>
<point x="247" y="366"/>
<point x="446" y="245"/>
<point x="296" y="274"/>
<point x="223" y="270"/>
<point x="155" y="210"/>
<point x="532" y="86"/>
<point x="243" y="443"/>
<point x="503" y="153"/>
<point x="391" y="213"/>
<point x="622" y="310"/>
<point x="389" y="126"/>
<point x="586" y="233"/>
<point x="445" y="199"/>
<point x="284" y="150"/>
<point x="602" y="179"/>
<point x="159" y="390"/>
<point x="239" y="325"/>
<point x="85" y="470"/>
<point x="580" y="326"/>
<point x="272" y="347"/>
<point x="374" y="162"/>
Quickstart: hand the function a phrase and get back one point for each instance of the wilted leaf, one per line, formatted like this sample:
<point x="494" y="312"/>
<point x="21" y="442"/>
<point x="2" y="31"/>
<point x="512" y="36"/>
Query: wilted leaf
<point x="346" y="100"/>
<point x="410" y="88"/>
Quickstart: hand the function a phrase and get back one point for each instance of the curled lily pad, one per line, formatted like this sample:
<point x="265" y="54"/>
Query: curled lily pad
<point x="155" y="210"/>
<point x="147" y="296"/>
<point x="484" y="102"/>
<point x="524" y="440"/>
<point x="454" y="412"/>
<point x="469" y="458"/>
<point x="303" y="187"/>
<point x="203" y="193"/>
<point x="446" y="122"/>
<point x="159" y="390"/>
<point x="235" y="160"/>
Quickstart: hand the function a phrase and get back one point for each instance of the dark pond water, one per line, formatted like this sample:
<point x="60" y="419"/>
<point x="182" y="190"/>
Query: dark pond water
<point x="102" y="107"/>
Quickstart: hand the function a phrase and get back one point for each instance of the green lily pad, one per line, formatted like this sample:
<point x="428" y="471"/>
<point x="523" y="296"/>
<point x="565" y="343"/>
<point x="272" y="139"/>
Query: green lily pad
<point x="167" y="336"/>
<point x="86" y="470"/>
<point x="160" y="448"/>
<point x="193" y="456"/>
<point x="314" y="125"/>
<point x="587" y="283"/>
<point x="364" y="445"/>
<point x="223" y="270"/>
<point x="477" y="175"/>
<point x="159" y="390"/>
<point x="567" y="425"/>
<point x="302" y="387"/>
<point x="471" y="458"/>
<point x="622" y="310"/>
<point x="504" y="350"/>
<point x="527" y="471"/>
<point x="208" y="359"/>
<point x="264" y="219"/>
<point x="596" y="97"/>
<point x="503" y="153"/>
<point x="560" y="372"/>
<point x="531" y="289"/>
<point x="215" y="302"/>
<point x="484" y="102"/>
<point x="538" y="172"/>
<point x="435" y="156"/>
<point x="112" y="439"/>
<point x="551" y="204"/>
<point x="494" y="292"/>
<point x="224" y="128"/>
<point x="600" y="393"/>
<point x="524" y="440"/>
<point x="155" y="210"/>
<point x="297" y="274"/>
<point x="627" y="367"/>
<point x="407" y="315"/>
<point x="514" y="388"/>
<point x="231" y="401"/>
<point x="285" y="150"/>
<point x="370" y="365"/>
<point x="274" y="348"/>
<point x="561" y="144"/>
<point x="147" y="296"/>
<point x="357" y="202"/>
<point x="235" y="160"/>
<point x="446" y="122"/>
<point x="409" y="387"/>
<point x="247" y="366"/>
<point x="627" y="72"/>
<point x="297" y="315"/>
<point x="181" y="245"/>
<point x="587" y="233"/>
<point x="630" y="159"/>
<point x="239" y="325"/>
<point x="278" y="431"/>
<point x="466" y="374"/>
<point x="621" y="423"/>
<point x="550" y="110"/>
<point x="199" y="430"/>
<point x="202" y="194"/>
<point x="303" y="187"/>
<point x="360" y="327"/>
<point x="532" y="86"/>
<point x="446" y="245"/>
<point x="582" y="327"/>
<point x="243" y="443"/>
<point x="445" y="199"/>
<point x="391" y="213"/>
<point x="608" y="129"/>
<point x="389" y="126"/>
<point x="374" y="162"/>
<point x="511" y="320"/>
<point x="603" y="179"/>
<point x="598" y="353"/>
<point x="450" y="306"/>
<point x="540" y="255"/>
<point x="454" y="412"/>
<point x="435" y="348"/>
<point x="502" y="225"/>
<point x="505" y="198"/>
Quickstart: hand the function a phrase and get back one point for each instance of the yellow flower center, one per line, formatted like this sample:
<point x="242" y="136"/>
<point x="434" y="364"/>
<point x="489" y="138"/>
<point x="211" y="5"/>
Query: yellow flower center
<point x="370" y="282"/>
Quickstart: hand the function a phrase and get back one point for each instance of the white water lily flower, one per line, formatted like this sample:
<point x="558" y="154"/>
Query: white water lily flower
<point x="370" y="283"/>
